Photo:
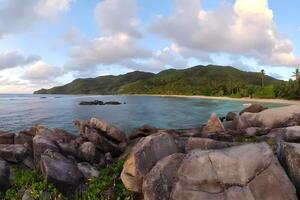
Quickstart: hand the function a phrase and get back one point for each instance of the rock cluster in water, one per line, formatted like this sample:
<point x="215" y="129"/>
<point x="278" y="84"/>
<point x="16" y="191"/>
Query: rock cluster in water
<point x="252" y="155"/>
<point x="97" y="102"/>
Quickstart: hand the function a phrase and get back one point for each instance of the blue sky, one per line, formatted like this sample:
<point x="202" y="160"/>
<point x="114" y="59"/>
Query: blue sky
<point x="44" y="43"/>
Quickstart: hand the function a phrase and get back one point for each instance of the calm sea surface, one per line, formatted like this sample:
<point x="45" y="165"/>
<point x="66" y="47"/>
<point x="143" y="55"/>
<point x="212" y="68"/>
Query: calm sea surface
<point x="18" y="112"/>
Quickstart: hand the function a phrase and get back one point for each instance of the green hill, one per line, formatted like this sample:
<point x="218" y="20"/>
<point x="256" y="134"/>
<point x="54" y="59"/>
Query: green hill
<point x="198" y="80"/>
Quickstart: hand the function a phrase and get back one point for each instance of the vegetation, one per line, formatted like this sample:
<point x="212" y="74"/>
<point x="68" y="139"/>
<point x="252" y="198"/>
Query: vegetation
<point x="107" y="187"/>
<point x="199" y="80"/>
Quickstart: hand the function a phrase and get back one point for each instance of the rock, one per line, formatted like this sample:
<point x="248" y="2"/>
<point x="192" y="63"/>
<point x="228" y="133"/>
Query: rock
<point x="143" y="131"/>
<point x="205" y="144"/>
<point x="195" y="132"/>
<point x="88" y="171"/>
<point x="87" y="151"/>
<point x="14" y="153"/>
<point x="89" y="103"/>
<point x="62" y="172"/>
<point x="67" y="149"/>
<point x="254" y="108"/>
<point x="288" y="134"/>
<point x="157" y="184"/>
<point x="108" y="158"/>
<point x="55" y="135"/>
<point x="112" y="103"/>
<point x="6" y="138"/>
<point x="109" y="130"/>
<point x="271" y="118"/>
<point x="144" y="156"/>
<point x="244" y="172"/>
<point x="102" y="143"/>
<point x="231" y="116"/>
<point x="289" y="157"/>
<point x="40" y="145"/>
<point x="214" y="125"/>
<point x="24" y="137"/>
<point x="256" y="131"/>
<point x="4" y="175"/>
<point x="81" y="125"/>
<point x="27" y="195"/>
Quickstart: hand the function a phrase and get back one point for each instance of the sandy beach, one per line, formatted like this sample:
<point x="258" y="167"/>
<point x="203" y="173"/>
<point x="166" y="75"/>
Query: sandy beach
<point x="245" y="99"/>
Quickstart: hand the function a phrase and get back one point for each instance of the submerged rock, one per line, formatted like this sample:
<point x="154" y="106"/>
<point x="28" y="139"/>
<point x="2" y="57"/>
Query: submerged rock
<point x="89" y="103"/>
<point x="144" y="156"/>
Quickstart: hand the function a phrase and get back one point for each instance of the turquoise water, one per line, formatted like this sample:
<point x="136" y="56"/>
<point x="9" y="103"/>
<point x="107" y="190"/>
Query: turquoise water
<point x="18" y="112"/>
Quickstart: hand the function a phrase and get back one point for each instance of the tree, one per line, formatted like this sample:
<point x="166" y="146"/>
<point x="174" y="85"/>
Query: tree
<point x="296" y="74"/>
<point x="262" y="73"/>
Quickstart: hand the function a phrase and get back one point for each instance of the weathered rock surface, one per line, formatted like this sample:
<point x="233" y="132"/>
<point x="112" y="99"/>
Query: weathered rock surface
<point x="143" y="131"/>
<point x="254" y="108"/>
<point x="4" y="175"/>
<point x="232" y="174"/>
<point x="231" y="116"/>
<point x="271" y="118"/>
<point x="88" y="171"/>
<point x="205" y="144"/>
<point x="214" y="125"/>
<point x="289" y="157"/>
<point x="158" y="182"/>
<point x="57" y="135"/>
<point x="87" y="151"/>
<point x="288" y="134"/>
<point x="24" y="137"/>
<point x="62" y="172"/>
<point x="13" y="152"/>
<point x="6" y="138"/>
<point x="144" y="156"/>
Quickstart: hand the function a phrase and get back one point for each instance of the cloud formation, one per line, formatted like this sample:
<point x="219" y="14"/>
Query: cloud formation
<point x="245" y="28"/>
<point x="16" y="15"/>
<point x="13" y="59"/>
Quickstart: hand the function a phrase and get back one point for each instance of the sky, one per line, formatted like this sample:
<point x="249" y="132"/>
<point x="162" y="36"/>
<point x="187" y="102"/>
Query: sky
<point x="45" y="43"/>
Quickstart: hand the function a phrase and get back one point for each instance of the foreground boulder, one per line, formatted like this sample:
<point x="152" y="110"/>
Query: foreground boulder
<point x="288" y="134"/>
<point x="289" y="157"/>
<point x="4" y="175"/>
<point x="214" y="125"/>
<point x="254" y="108"/>
<point x="88" y="171"/>
<point x="6" y="138"/>
<point x="271" y="118"/>
<point x="243" y="172"/>
<point x="62" y="172"/>
<point x="14" y="153"/>
<point x="205" y="144"/>
<point x="144" y="156"/>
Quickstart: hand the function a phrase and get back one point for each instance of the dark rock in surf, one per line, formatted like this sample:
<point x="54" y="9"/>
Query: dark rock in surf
<point x="6" y="137"/>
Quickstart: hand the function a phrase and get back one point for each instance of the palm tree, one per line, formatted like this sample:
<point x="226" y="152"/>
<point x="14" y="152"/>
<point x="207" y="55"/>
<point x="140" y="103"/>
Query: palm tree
<point x="262" y="73"/>
<point x="296" y="74"/>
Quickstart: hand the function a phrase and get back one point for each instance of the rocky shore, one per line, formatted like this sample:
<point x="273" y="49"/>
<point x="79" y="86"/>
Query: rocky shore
<point x="254" y="154"/>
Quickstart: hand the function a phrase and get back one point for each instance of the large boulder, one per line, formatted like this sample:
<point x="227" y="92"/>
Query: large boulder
<point x="271" y="118"/>
<point x="214" y="125"/>
<point x="144" y="156"/>
<point x="244" y="172"/>
<point x="57" y="135"/>
<point x="109" y="130"/>
<point x="6" y="138"/>
<point x="289" y="157"/>
<point x="88" y="171"/>
<point x="143" y="131"/>
<point x="24" y="137"/>
<point x="4" y="175"/>
<point x="288" y="134"/>
<point x="158" y="182"/>
<point x="253" y="108"/>
<point x="62" y="172"/>
<point x="88" y="152"/>
<point x="101" y="142"/>
<point x="230" y="116"/>
<point x="14" y="153"/>
<point x="205" y="144"/>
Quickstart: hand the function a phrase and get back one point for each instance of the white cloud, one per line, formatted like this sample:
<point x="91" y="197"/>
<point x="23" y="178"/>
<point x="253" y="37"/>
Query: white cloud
<point x="13" y="59"/>
<point x="246" y="28"/>
<point x="16" y="15"/>
<point x="41" y="71"/>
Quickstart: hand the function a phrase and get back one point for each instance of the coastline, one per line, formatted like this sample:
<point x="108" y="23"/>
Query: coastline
<point x="244" y="99"/>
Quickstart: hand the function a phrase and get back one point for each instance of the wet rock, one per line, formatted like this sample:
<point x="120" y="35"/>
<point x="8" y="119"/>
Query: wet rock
<point x="101" y="142"/>
<point x="231" y="116"/>
<point x="89" y="103"/>
<point x="289" y="157"/>
<point x="4" y="175"/>
<point x="205" y="144"/>
<point x="214" y="125"/>
<point x="144" y="156"/>
<point x="271" y="118"/>
<point x="14" y="153"/>
<point x="158" y="182"/>
<point x="109" y="130"/>
<point x="62" y="172"/>
<point x="254" y="108"/>
<point x="6" y="138"/>
<point x="112" y="103"/>
<point x="88" y="171"/>
<point x="143" y="131"/>
<point x="231" y="174"/>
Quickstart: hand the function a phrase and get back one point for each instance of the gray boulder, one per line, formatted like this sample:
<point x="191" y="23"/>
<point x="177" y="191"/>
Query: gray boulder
<point x="4" y="175"/>
<point x="88" y="171"/>
<point x="254" y="108"/>
<point x="144" y="156"/>
<point x="288" y="134"/>
<point x="6" y="138"/>
<point x="62" y="172"/>
<point x="88" y="152"/>
<point x="289" y="157"/>
<point x="143" y="131"/>
<point x="14" y="153"/>
<point x="242" y="172"/>
<point x="205" y="144"/>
